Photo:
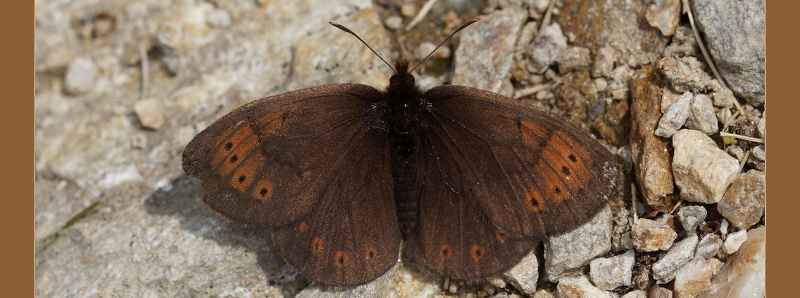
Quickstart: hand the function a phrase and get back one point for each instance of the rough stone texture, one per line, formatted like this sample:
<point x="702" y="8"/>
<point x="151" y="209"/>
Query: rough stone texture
<point x="650" y="155"/>
<point x="615" y="23"/>
<point x="80" y="76"/>
<point x="695" y="277"/>
<point x="735" y="36"/>
<point x="525" y="274"/>
<point x="702" y="117"/>
<point x="575" y="249"/>
<point x="610" y="273"/>
<point x="488" y="67"/>
<point x="547" y="46"/>
<point x="734" y="241"/>
<point x="691" y="216"/>
<point x="744" y="273"/>
<point x="149" y="113"/>
<point x="709" y="246"/>
<point x="702" y="170"/>
<point x="397" y="282"/>
<point x="675" y="116"/>
<point x="579" y="287"/>
<point x="680" y="254"/>
<point x="685" y="74"/>
<point x="664" y="15"/>
<point x="635" y="294"/>
<point x="744" y="201"/>
<point x="659" y="292"/>
<point x="574" y="58"/>
<point x="651" y="235"/>
<point x="543" y="294"/>
<point x="604" y="61"/>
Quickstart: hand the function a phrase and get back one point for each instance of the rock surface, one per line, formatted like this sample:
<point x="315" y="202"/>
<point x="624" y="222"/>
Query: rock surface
<point x="703" y="117"/>
<point x="610" y="273"/>
<point x="80" y="76"/>
<point x="734" y="241"/>
<point x="695" y="277"/>
<point x="744" y="273"/>
<point x="744" y="201"/>
<point x="691" y="216"/>
<point x="525" y="274"/>
<point x="675" y="116"/>
<point x="649" y="153"/>
<point x="488" y="67"/>
<point x="651" y="235"/>
<point x="547" y="46"/>
<point x="579" y="287"/>
<point x="736" y="39"/>
<point x="680" y="254"/>
<point x="702" y="170"/>
<point x="664" y="15"/>
<point x="575" y="249"/>
<point x="709" y="246"/>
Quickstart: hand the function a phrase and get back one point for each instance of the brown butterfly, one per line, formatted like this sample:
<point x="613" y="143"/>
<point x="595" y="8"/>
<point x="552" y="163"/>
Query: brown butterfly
<point x="469" y="179"/>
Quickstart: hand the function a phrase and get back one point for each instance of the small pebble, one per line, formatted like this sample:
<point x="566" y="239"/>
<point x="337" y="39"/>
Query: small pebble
<point x="664" y="15"/>
<point x="574" y="58"/>
<point x="734" y="241"/>
<point x="701" y="170"/>
<point x="650" y="235"/>
<point x="579" y="287"/>
<point x="394" y="22"/>
<point x="543" y="294"/>
<point x="600" y="84"/>
<point x="659" y="292"/>
<point x="695" y="277"/>
<point x="525" y="274"/>
<point x="703" y="117"/>
<point x="80" y="76"/>
<point x="744" y="201"/>
<point x="723" y="228"/>
<point x="709" y="246"/>
<point x="723" y="97"/>
<point x="759" y="153"/>
<point x="635" y="294"/>
<point x="613" y="272"/>
<point x="668" y="98"/>
<point x="539" y="5"/>
<point x="547" y="46"/>
<point x="676" y="116"/>
<point x="604" y="62"/>
<point x="762" y="125"/>
<point x="497" y="282"/>
<point x="725" y="115"/>
<point x="218" y="18"/>
<point x="149" y="112"/>
<point x="735" y="151"/>
<point x="681" y="253"/>
<point x="408" y="10"/>
<point x="691" y="216"/>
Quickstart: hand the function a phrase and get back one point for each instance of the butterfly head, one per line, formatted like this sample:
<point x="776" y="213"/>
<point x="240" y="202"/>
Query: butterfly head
<point x="402" y="79"/>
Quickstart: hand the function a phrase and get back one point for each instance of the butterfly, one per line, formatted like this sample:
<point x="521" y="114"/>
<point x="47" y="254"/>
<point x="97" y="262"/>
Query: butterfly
<point x="344" y="174"/>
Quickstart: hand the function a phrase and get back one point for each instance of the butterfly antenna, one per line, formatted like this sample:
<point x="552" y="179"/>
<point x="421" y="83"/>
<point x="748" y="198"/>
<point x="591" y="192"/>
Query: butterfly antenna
<point x="345" y="29"/>
<point x="470" y="22"/>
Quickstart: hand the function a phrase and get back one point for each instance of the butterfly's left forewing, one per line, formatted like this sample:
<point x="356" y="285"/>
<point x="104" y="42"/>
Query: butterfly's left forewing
<point x="268" y="162"/>
<point x="508" y="166"/>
